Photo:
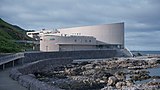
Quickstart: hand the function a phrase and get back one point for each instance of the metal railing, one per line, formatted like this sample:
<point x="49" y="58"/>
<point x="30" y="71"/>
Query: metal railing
<point x="10" y="58"/>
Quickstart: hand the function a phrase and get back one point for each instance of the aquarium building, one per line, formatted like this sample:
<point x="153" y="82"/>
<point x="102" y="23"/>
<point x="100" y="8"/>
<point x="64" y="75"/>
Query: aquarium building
<point x="98" y="37"/>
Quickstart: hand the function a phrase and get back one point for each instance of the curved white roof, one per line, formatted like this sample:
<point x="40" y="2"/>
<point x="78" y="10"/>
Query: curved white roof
<point x="108" y="33"/>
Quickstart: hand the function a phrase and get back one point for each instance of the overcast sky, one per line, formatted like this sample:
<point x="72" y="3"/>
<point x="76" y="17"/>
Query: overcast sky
<point x="141" y="17"/>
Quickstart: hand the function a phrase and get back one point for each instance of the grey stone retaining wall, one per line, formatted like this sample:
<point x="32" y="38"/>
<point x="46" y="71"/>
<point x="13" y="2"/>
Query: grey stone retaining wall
<point x="21" y="74"/>
<point x="90" y="54"/>
<point x="39" y="65"/>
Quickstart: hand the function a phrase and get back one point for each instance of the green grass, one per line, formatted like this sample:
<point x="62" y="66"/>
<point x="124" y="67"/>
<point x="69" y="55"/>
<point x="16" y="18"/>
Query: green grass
<point x="7" y="46"/>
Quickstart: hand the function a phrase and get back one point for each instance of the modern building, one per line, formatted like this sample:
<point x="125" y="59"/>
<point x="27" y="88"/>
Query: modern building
<point x="34" y="35"/>
<point x="98" y="37"/>
<point x="107" y="36"/>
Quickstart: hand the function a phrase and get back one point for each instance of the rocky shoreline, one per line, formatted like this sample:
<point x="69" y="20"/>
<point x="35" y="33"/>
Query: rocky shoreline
<point x="106" y="74"/>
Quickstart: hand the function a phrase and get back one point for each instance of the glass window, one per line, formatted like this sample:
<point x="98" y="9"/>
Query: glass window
<point x="52" y="39"/>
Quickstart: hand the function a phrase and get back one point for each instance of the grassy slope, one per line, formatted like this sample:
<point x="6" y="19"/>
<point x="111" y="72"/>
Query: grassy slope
<point x="12" y="32"/>
<point x="7" y="46"/>
<point x="8" y="33"/>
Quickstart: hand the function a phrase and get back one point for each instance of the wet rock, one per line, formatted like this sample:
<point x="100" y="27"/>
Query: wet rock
<point x="102" y="74"/>
<point x="129" y="83"/>
<point x="120" y="84"/>
<point x="88" y="66"/>
<point x="88" y="72"/>
<point x="73" y="71"/>
<point x="112" y="80"/>
<point x="108" y="88"/>
<point x="98" y="67"/>
<point x="139" y="72"/>
<point x="152" y="61"/>
<point x="79" y="78"/>
<point x="154" y="84"/>
<point x="136" y="67"/>
<point x="102" y="81"/>
<point x="120" y="75"/>
<point x="139" y="77"/>
<point x="67" y="71"/>
<point x="155" y="77"/>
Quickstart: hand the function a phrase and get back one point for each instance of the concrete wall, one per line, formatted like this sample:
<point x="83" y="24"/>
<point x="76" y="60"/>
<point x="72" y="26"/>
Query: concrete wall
<point x="77" y="47"/>
<point x="89" y="54"/>
<point x="48" y="43"/>
<point x="52" y="42"/>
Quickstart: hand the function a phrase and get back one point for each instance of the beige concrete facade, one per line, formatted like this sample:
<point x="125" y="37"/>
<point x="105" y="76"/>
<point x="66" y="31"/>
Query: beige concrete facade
<point x="66" y="43"/>
<point x="108" y="36"/>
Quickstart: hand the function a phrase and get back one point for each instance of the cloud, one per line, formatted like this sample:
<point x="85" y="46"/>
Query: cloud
<point x="143" y="40"/>
<point x="140" y="16"/>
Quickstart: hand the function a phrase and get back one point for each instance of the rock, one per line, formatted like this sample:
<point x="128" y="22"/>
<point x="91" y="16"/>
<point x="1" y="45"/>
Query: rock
<point x="101" y="81"/>
<point x="155" y="77"/>
<point x="108" y="88"/>
<point x="15" y="74"/>
<point x="88" y="66"/>
<point x="67" y="71"/>
<point x="112" y="80"/>
<point x="101" y="74"/>
<point x="98" y="67"/>
<point x="153" y="84"/>
<point x="129" y="83"/>
<point x="137" y="77"/>
<point x="32" y="75"/>
<point x="73" y="71"/>
<point x="152" y="61"/>
<point x="120" y="84"/>
<point x="136" y="67"/>
<point x="88" y="72"/>
<point x="120" y="75"/>
<point x="98" y="80"/>
<point x="139" y="72"/>
<point x="105" y="79"/>
<point x="84" y="63"/>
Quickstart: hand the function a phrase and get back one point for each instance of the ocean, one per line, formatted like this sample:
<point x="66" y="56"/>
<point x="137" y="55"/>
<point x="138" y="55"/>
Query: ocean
<point x="146" y="52"/>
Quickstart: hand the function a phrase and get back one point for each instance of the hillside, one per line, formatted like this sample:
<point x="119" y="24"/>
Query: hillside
<point x="9" y="33"/>
<point x="12" y="32"/>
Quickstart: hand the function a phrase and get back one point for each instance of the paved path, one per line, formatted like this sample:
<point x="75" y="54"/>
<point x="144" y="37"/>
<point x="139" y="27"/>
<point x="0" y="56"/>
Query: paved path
<point x="6" y="83"/>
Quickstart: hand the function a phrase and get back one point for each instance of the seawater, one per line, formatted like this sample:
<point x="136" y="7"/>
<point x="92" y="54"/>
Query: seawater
<point x="153" y="71"/>
<point x="146" y="52"/>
